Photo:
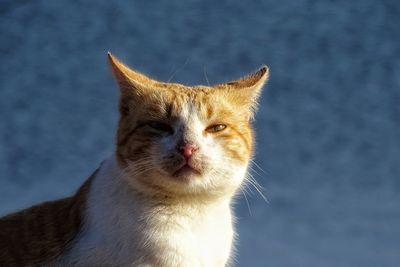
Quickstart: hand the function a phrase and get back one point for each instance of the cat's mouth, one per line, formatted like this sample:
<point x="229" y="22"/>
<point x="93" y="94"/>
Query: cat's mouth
<point x="185" y="170"/>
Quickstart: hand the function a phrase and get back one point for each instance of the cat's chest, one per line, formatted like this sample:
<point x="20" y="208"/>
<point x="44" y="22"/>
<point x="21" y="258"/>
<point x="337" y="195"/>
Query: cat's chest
<point x="155" y="247"/>
<point x="188" y="242"/>
<point x="123" y="228"/>
<point x="159" y="240"/>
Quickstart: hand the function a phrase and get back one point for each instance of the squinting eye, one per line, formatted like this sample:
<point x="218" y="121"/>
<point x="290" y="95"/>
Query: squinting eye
<point x="216" y="128"/>
<point x="159" y="126"/>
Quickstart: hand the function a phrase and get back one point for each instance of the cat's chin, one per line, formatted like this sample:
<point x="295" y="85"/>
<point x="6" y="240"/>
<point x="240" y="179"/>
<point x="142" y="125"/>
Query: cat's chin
<point x="186" y="171"/>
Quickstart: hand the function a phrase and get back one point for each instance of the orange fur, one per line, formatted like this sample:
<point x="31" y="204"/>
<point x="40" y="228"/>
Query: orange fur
<point x="38" y="235"/>
<point x="182" y="115"/>
<point x="232" y="103"/>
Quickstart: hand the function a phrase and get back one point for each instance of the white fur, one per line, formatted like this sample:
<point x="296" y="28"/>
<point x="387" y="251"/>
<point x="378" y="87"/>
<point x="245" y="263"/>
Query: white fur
<point x="123" y="228"/>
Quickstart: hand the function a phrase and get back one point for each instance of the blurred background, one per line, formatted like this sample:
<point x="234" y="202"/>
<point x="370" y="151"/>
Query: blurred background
<point x="328" y="126"/>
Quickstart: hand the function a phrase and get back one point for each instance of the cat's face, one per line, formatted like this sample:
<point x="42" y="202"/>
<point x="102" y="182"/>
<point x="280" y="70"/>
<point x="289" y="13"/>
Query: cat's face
<point x="179" y="140"/>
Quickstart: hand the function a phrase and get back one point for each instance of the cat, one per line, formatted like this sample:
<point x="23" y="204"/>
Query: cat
<point x="164" y="197"/>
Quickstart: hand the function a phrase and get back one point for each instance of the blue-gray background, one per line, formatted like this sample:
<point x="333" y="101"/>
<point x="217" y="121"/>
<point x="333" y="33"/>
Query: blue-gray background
<point x="328" y="126"/>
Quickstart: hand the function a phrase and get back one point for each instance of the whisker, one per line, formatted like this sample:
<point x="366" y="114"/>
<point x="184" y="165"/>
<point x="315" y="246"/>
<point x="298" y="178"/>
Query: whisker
<point x="205" y="75"/>
<point x="257" y="187"/>
<point x="258" y="166"/>
<point x="247" y="201"/>
<point x="178" y="69"/>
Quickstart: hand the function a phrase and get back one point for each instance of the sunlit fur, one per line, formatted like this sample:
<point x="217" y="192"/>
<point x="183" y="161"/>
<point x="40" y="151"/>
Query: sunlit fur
<point x="150" y="157"/>
<point x="147" y="205"/>
<point x="146" y="213"/>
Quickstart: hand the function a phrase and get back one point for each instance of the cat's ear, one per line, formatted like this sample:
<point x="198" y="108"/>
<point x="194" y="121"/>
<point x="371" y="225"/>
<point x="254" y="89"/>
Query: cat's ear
<point x="247" y="90"/>
<point x="130" y="81"/>
<point x="134" y="86"/>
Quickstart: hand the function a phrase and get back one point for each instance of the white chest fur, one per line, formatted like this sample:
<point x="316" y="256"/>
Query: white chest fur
<point x="123" y="228"/>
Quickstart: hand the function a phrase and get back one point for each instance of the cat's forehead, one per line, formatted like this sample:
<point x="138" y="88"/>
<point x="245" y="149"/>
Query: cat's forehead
<point x="197" y="95"/>
<point x="178" y="101"/>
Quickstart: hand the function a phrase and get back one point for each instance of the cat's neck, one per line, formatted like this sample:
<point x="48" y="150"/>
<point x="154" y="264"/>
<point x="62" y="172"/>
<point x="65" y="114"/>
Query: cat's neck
<point x="117" y="214"/>
<point x="111" y="192"/>
<point x="112" y="200"/>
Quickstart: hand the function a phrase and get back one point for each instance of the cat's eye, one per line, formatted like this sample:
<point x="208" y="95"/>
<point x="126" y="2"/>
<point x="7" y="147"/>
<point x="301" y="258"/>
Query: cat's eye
<point x="216" y="128"/>
<point x="160" y="126"/>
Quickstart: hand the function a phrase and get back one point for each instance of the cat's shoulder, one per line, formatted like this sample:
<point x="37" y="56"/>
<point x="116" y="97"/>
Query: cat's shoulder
<point x="39" y="234"/>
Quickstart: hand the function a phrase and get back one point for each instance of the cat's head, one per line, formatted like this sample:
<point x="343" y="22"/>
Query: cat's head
<point x="185" y="140"/>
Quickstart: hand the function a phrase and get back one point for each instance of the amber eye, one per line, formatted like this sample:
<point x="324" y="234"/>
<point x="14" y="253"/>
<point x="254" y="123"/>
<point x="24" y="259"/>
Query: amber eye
<point x="216" y="128"/>
<point x="160" y="126"/>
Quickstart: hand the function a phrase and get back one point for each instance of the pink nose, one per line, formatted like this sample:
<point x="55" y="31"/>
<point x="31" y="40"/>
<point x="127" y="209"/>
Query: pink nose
<point x="187" y="150"/>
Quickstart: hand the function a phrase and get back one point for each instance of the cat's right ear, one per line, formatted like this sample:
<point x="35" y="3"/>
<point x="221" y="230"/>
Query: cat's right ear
<point x="134" y="86"/>
<point x="129" y="81"/>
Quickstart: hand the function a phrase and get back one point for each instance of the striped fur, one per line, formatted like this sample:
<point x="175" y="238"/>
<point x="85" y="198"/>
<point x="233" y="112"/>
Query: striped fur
<point x="149" y="205"/>
<point x="38" y="235"/>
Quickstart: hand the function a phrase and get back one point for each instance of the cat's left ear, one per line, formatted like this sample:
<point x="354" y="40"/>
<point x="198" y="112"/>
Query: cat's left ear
<point x="247" y="90"/>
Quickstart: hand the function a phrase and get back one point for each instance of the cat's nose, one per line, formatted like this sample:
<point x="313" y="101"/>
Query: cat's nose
<point x="187" y="150"/>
